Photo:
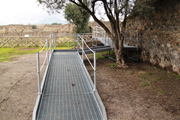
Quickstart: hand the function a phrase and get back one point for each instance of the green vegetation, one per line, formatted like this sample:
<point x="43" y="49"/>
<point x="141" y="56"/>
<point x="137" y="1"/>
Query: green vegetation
<point x="78" y="16"/>
<point x="7" y="54"/>
<point x="145" y="84"/>
<point x="160" y="91"/>
<point x="63" y="47"/>
<point x="34" y="26"/>
<point x="99" y="56"/>
<point x="150" y="73"/>
<point x="113" y="65"/>
<point x="56" y="24"/>
<point x="78" y="12"/>
<point x="143" y="76"/>
<point x="176" y="75"/>
<point x="132" y="73"/>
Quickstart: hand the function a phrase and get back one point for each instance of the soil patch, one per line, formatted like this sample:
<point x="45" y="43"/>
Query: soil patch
<point x="18" y="87"/>
<point x="141" y="91"/>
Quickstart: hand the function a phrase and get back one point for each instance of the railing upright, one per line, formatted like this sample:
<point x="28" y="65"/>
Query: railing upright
<point x="83" y="50"/>
<point x="51" y="42"/>
<point x="47" y="41"/>
<point x="38" y="73"/>
<point x="78" y="44"/>
<point x="84" y="55"/>
<point x="105" y="37"/>
<point x="94" y="70"/>
<point x="55" y="41"/>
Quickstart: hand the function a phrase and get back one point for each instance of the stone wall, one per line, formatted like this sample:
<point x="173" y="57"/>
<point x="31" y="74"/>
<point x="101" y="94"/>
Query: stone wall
<point x="159" y="36"/>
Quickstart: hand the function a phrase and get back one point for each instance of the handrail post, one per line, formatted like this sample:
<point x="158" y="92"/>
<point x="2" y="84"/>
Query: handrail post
<point x="51" y="43"/>
<point x="47" y="51"/>
<point x="94" y="70"/>
<point x="105" y="37"/>
<point x="38" y="73"/>
<point x="93" y="36"/>
<point x="83" y="50"/>
<point x="108" y="41"/>
<point x="78" y="43"/>
<point x="55" y="40"/>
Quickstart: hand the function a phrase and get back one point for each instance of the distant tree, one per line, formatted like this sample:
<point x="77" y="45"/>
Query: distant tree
<point x="56" y="24"/>
<point x="34" y="26"/>
<point x="78" y="16"/>
<point x="114" y="10"/>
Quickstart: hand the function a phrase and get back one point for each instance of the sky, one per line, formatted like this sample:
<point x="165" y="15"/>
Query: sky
<point x="24" y="12"/>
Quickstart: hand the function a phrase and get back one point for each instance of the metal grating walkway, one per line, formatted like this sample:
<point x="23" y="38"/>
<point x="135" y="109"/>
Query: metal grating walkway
<point x="67" y="93"/>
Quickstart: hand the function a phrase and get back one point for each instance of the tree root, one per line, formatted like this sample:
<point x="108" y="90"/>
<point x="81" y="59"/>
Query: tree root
<point x="120" y="65"/>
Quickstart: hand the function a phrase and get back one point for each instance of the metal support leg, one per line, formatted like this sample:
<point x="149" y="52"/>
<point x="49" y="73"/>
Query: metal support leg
<point x="95" y="71"/>
<point x="105" y="38"/>
<point x="55" y="41"/>
<point x="83" y="51"/>
<point x="38" y="73"/>
<point x="51" y="43"/>
<point x="78" y="43"/>
<point x="47" y="41"/>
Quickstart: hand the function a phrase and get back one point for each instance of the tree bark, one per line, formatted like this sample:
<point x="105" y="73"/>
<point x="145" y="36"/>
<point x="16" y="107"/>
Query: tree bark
<point x="117" y="37"/>
<point x="118" y="48"/>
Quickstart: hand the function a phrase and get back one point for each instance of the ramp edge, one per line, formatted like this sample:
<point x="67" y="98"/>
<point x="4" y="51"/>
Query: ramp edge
<point x="36" y="107"/>
<point x="95" y="93"/>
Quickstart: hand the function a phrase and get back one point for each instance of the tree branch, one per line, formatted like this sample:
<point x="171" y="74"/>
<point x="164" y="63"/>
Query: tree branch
<point x="94" y="16"/>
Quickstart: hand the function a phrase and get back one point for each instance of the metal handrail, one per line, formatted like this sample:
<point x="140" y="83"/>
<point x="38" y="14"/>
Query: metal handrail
<point x="43" y="47"/>
<point x="46" y="59"/>
<point x="84" y="54"/>
<point x="40" y="87"/>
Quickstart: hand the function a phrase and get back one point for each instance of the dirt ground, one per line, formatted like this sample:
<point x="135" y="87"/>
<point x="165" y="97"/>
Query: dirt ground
<point x="139" y="92"/>
<point x="18" y="87"/>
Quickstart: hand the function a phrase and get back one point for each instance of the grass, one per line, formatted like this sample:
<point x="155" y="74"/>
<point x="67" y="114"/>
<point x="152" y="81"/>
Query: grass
<point x="100" y="55"/>
<point x="145" y="84"/>
<point x="143" y="77"/>
<point x="7" y="54"/>
<point x="64" y="47"/>
<point x="113" y="64"/>
<point x="150" y="73"/>
<point x="132" y="73"/>
<point x="160" y="91"/>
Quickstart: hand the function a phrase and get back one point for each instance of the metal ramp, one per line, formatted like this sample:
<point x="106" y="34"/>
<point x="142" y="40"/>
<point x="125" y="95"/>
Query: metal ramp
<point x="67" y="91"/>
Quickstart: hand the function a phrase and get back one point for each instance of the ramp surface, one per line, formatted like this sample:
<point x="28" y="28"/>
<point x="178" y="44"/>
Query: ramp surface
<point x="67" y="94"/>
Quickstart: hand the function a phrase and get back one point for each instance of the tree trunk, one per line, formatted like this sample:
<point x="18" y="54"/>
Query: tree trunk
<point x="118" y="39"/>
